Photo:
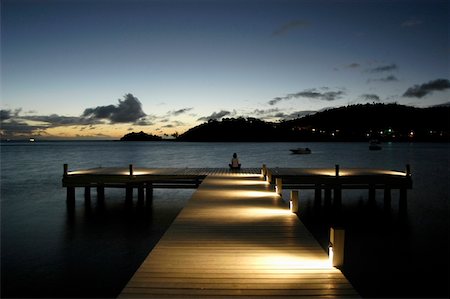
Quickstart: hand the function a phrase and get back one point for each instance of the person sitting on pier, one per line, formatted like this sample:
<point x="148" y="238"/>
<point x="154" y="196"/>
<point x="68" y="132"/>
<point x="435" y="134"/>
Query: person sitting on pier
<point x="235" y="162"/>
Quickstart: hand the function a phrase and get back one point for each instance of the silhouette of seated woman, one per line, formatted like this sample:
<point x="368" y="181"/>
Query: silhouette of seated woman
<point x="235" y="162"/>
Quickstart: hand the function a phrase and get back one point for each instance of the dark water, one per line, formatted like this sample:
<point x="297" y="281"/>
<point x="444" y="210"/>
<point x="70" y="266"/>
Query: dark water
<point x="48" y="250"/>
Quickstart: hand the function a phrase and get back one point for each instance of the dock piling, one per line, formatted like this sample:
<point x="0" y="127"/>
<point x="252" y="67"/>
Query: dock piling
<point x="387" y="198"/>
<point x="87" y="193"/>
<point x="131" y="169"/>
<point x="141" y="193"/>
<point x="327" y="197"/>
<point x="128" y="193"/>
<point x="71" y="194"/>
<point x="279" y="186"/>
<point x="402" y="200"/>
<point x="372" y="194"/>
<point x="100" y="192"/>
<point x="336" y="248"/>
<point x="408" y="170"/>
<point x="149" y="193"/>
<point x="318" y="193"/>
<point x="269" y="177"/>
<point x="294" y="202"/>
<point x="337" y="200"/>
<point x="65" y="167"/>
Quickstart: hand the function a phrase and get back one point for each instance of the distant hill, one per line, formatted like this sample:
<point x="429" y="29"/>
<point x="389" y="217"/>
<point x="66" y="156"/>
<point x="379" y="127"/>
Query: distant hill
<point x="232" y="129"/>
<point x="350" y="123"/>
<point x="141" y="136"/>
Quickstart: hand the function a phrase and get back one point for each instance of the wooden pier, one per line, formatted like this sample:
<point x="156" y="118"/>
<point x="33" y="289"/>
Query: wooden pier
<point x="236" y="238"/>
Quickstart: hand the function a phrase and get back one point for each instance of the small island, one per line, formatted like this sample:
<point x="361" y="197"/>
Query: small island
<point x="141" y="136"/>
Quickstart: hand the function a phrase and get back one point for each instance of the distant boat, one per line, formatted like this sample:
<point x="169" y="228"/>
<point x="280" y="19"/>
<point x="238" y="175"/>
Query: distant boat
<point x="301" y="151"/>
<point x="374" y="145"/>
<point x="32" y="140"/>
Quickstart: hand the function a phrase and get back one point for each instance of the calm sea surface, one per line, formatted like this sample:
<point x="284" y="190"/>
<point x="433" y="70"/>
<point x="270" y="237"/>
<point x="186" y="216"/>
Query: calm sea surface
<point x="48" y="250"/>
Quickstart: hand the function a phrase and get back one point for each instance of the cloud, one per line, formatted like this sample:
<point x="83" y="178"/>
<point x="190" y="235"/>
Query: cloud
<point x="411" y="23"/>
<point x="14" y="127"/>
<point x="370" y="97"/>
<point x="174" y="124"/>
<point x="323" y="96"/>
<point x="315" y="94"/>
<point x="353" y="65"/>
<point x="8" y="113"/>
<point x="419" y="91"/>
<point x="312" y="93"/>
<point x="390" y="78"/>
<point x="5" y="114"/>
<point x="144" y="121"/>
<point x="55" y="120"/>
<point x="274" y="101"/>
<point x="180" y="111"/>
<point x="384" y="68"/>
<point x="127" y="111"/>
<point x="285" y="28"/>
<point x="215" y="115"/>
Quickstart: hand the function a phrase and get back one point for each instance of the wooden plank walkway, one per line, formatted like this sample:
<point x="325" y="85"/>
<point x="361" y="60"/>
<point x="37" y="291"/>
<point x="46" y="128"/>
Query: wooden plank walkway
<point x="235" y="237"/>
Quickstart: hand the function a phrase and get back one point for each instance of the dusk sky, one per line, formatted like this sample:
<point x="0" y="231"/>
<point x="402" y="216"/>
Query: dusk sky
<point x="101" y="69"/>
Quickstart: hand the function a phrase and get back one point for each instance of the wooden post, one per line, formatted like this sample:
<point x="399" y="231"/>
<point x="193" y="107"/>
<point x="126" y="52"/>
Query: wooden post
<point x="371" y="194"/>
<point x="269" y="177"/>
<point x="336" y="250"/>
<point x="149" y="193"/>
<point x="66" y="167"/>
<point x="100" y="191"/>
<point x="337" y="189"/>
<point x="387" y="197"/>
<point x="87" y="193"/>
<point x="318" y="193"/>
<point x="317" y="196"/>
<point x="70" y="194"/>
<point x="337" y="200"/>
<point x="264" y="170"/>
<point x="279" y="186"/>
<point x="128" y="193"/>
<point x="402" y="201"/>
<point x="131" y="169"/>
<point x="408" y="170"/>
<point x="141" y="193"/>
<point x="327" y="196"/>
<point x="294" y="203"/>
